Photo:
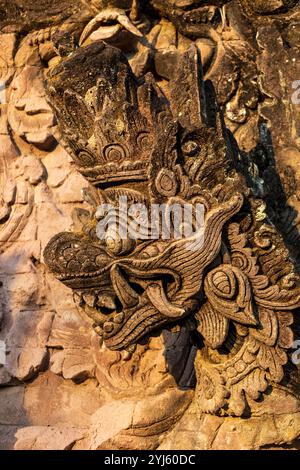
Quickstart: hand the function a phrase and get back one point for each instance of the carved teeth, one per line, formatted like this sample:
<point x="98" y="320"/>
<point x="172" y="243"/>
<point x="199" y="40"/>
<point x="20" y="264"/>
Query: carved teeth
<point x="126" y="356"/>
<point x="119" y="318"/>
<point x="78" y="299"/>
<point x="90" y="300"/>
<point x="95" y="315"/>
<point x="127" y="353"/>
<point x="98" y="330"/>
<point x="108" y="327"/>
<point x="107" y="301"/>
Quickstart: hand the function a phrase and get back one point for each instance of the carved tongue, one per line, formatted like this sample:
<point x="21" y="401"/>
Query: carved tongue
<point x="158" y="298"/>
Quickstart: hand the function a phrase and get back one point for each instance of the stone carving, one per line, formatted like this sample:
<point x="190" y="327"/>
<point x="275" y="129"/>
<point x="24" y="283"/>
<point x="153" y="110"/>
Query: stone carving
<point x="29" y="106"/>
<point x="161" y="102"/>
<point x="119" y="131"/>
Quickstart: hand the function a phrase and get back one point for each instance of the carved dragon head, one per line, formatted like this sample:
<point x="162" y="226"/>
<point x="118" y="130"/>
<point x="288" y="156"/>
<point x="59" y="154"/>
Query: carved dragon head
<point x="129" y="140"/>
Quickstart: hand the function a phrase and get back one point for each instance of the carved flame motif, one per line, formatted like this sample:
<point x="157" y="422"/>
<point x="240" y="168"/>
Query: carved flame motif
<point x="127" y="139"/>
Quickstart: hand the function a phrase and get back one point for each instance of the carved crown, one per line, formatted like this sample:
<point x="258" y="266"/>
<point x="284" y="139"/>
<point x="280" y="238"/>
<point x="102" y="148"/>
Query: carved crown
<point x="108" y="119"/>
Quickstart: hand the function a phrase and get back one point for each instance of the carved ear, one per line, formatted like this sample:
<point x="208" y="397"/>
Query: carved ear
<point x="79" y="114"/>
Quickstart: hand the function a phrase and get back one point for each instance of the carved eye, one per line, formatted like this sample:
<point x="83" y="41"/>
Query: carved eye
<point x="190" y="148"/>
<point x="166" y="183"/>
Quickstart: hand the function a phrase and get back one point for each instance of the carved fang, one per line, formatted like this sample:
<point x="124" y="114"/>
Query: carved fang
<point x="158" y="298"/>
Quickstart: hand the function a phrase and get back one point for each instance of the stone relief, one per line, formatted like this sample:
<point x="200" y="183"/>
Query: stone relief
<point x="141" y="343"/>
